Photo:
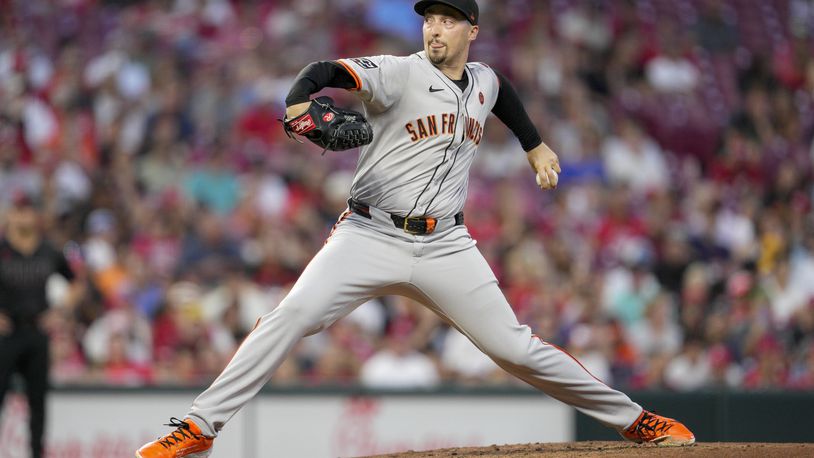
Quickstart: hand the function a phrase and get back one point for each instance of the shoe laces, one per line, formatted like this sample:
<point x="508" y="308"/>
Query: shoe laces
<point x="182" y="433"/>
<point x="650" y="425"/>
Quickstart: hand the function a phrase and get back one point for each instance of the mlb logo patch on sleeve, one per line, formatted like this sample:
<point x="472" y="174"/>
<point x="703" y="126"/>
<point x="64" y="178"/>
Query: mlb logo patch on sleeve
<point x="365" y="63"/>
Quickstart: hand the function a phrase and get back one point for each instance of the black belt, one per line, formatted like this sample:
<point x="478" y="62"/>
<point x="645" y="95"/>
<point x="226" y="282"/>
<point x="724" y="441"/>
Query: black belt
<point x="416" y="225"/>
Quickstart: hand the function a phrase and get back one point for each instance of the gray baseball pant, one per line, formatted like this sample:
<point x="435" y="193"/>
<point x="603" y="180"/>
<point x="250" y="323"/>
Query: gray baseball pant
<point x="366" y="258"/>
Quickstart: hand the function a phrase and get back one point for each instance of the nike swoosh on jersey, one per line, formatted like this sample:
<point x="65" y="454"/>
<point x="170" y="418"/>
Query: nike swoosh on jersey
<point x="432" y="89"/>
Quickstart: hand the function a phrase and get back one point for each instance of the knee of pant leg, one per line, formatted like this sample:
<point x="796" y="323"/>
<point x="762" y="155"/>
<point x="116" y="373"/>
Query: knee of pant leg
<point x="300" y="314"/>
<point x="510" y="355"/>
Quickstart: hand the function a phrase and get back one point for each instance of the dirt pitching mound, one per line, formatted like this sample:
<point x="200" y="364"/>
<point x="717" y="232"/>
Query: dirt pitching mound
<point x="614" y="449"/>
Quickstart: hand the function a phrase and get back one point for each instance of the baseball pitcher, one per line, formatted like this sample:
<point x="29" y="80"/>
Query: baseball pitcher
<point x="404" y="233"/>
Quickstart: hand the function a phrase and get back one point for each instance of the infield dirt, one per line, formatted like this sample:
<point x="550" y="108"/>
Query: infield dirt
<point x="617" y="449"/>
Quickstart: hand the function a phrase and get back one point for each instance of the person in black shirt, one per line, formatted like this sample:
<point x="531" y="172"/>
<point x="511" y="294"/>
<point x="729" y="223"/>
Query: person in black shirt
<point x="26" y="263"/>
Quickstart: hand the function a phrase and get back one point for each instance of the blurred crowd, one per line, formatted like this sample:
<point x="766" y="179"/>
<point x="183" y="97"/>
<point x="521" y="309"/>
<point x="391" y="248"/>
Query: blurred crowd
<point x="677" y="252"/>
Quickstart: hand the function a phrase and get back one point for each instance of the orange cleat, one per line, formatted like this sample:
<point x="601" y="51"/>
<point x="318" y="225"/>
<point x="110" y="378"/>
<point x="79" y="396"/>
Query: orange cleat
<point x="186" y="441"/>
<point x="655" y="429"/>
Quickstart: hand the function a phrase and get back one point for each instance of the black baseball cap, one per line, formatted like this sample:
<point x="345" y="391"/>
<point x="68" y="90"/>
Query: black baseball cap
<point x="469" y="8"/>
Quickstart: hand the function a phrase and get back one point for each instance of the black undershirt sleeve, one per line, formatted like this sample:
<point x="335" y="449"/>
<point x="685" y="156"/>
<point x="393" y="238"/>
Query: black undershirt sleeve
<point x="509" y="109"/>
<point x="315" y="77"/>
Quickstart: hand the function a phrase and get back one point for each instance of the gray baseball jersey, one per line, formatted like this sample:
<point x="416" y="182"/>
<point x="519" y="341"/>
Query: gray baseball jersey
<point x="426" y="132"/>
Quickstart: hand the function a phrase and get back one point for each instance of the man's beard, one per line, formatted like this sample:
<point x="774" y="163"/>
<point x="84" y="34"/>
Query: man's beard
<point x="439" y="58"/>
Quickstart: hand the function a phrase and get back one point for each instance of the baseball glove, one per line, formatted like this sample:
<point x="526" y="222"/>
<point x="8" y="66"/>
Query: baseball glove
<point x="332" y="128"/>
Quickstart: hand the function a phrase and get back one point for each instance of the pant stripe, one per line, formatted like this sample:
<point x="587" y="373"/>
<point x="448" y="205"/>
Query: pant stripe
<point x="570" y="356"/>
<point x="342" y="217"/>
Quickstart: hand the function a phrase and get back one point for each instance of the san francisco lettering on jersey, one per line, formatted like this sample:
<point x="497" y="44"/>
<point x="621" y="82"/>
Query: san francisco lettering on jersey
<point x="427" y="126"/>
